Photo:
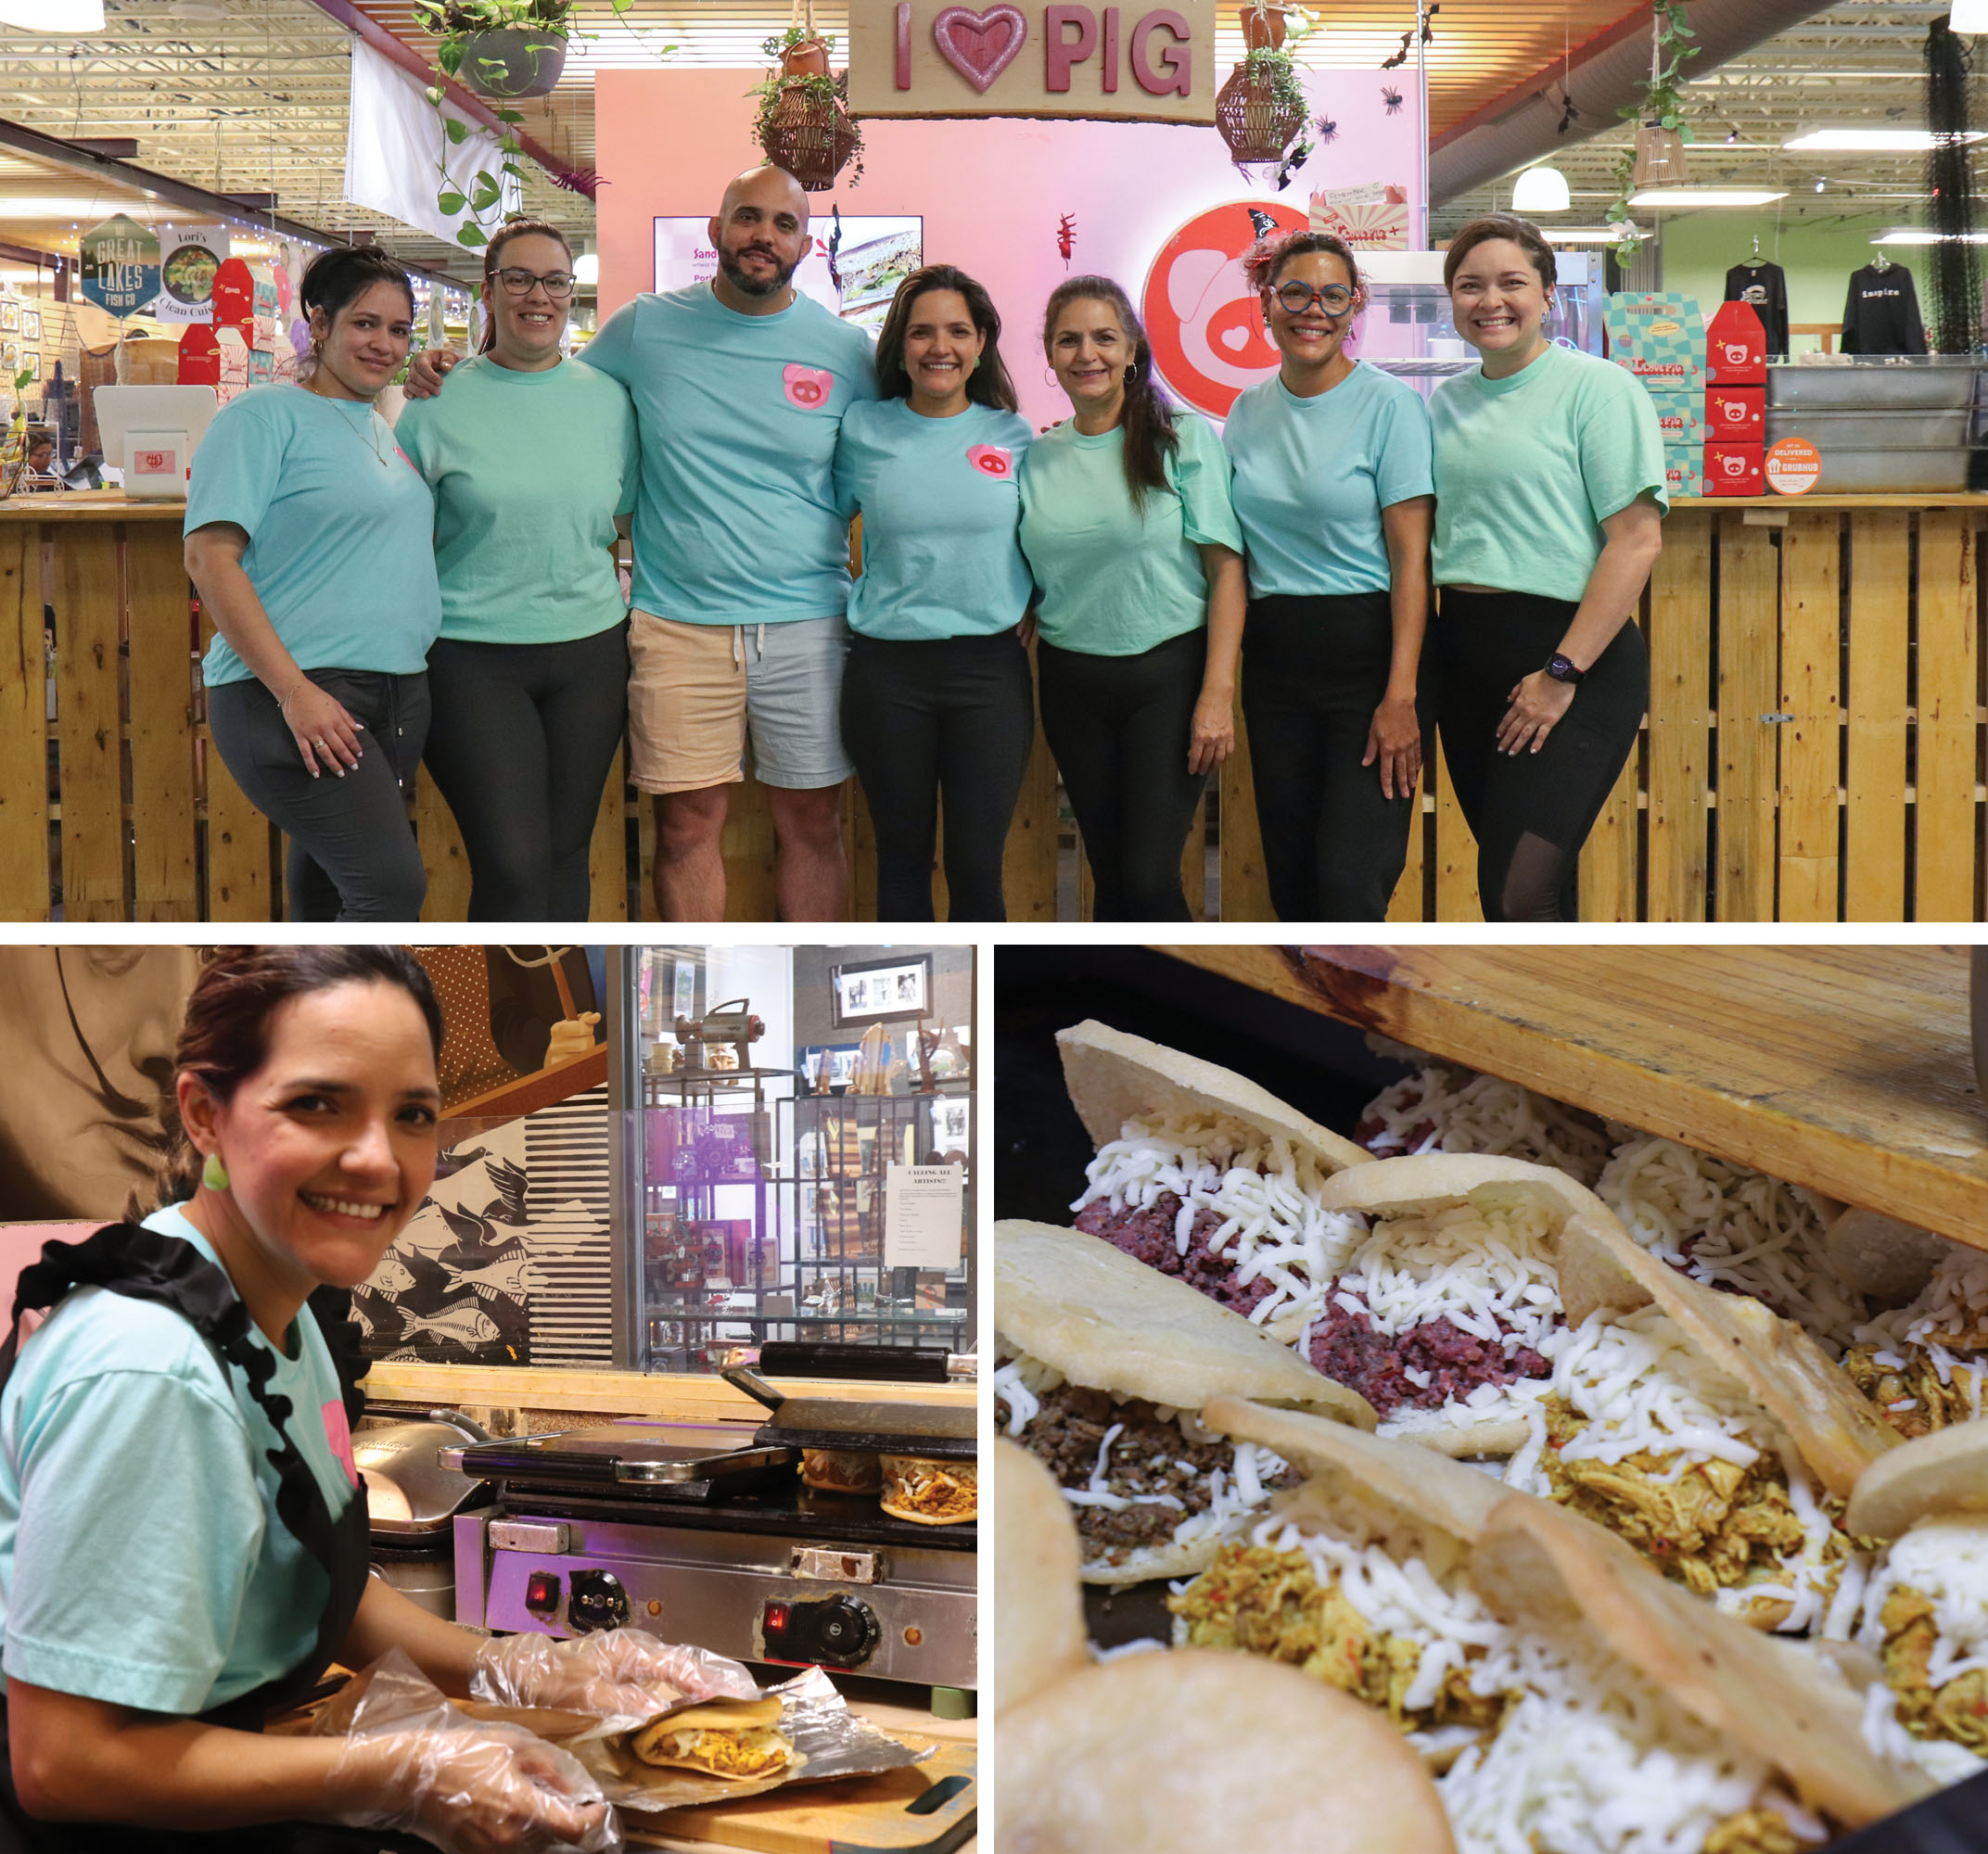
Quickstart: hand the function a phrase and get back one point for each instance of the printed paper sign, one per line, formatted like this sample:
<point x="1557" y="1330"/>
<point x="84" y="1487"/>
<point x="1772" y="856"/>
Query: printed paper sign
<point x="924" y="1215"/>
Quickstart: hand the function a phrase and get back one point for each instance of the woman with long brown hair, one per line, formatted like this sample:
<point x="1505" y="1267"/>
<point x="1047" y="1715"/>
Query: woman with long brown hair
<point x="1137" y="564"/>
<point x="937" y="701"/>
<point x="185" y="1540"/>
<point x="533" y="463"/>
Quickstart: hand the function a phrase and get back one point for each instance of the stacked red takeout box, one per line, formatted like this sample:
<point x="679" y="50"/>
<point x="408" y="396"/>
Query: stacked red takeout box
<point x="1736" y="401"/>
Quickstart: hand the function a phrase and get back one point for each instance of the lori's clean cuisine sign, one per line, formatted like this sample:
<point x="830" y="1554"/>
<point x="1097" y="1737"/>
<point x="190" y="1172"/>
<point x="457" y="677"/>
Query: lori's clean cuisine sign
<point x="1135" y="62"/>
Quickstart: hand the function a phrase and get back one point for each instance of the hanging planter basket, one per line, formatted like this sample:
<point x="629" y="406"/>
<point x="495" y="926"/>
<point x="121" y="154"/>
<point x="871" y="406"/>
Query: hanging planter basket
<point x="806" y="130"/>
<point x="1659" y="157"/>
<point x="1263" y="28"/>
<point x="1256" y="122"/>
<point x="509" y="64"/>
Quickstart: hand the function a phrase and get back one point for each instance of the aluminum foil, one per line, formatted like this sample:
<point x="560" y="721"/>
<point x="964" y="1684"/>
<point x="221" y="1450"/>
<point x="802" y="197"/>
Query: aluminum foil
<point x="833" y="1740"/>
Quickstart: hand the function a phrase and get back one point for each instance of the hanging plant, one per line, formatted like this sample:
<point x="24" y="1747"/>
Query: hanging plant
<point x="803" y="122"/>
<point x="1261" y="111"/>
<point x="509" y="51"/>
<point x="1663" y="127"/>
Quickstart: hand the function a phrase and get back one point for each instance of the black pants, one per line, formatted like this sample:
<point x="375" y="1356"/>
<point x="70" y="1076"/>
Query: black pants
<point x="947" y="719"/>
<point x="352" y="852"/>
<point x="1314" y="670"/>
<point x="520" y="745"/>
<point x="1531" y="812"/>
<point x="1119" y="727"/>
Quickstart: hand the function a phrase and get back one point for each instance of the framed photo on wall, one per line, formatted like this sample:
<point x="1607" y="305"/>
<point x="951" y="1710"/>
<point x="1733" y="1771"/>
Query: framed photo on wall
<point x="10" y="315"/>
<point x="31" y="364"/>
<point x="882" y="991"/>
<point x="31" y="324"/>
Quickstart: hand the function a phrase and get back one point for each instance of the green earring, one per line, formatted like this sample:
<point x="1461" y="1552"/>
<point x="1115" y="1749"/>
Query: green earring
<point x="214" y="1174"/>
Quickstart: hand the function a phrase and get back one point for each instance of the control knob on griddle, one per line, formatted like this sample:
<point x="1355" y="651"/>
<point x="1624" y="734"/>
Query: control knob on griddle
<point x="847" y="1628"/>
<point x="596" y="1601"/>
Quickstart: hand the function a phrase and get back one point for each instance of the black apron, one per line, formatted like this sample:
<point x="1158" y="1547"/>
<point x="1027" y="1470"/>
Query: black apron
<point x="146" y="1264"/>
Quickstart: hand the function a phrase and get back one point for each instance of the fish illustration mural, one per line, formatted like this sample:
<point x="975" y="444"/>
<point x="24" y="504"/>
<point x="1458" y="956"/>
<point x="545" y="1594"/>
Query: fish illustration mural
<point x="392" y="1276"/>
<point x="511" y="1276"/>
<point x="465" y="1323"/>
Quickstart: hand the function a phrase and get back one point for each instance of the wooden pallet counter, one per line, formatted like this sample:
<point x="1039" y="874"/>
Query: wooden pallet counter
<point x="1846" y="1069"/>
<point x="1814" y="749"/>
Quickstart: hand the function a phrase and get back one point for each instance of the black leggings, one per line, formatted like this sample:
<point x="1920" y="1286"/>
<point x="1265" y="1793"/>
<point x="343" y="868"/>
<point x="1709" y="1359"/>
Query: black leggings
<point x="945" y="719"/>
<point x="352" y="852"/>
<point x="1530" y="812"/>
<point x="520" y="745"/>
<point x="1119" y="727"/>
<point x="1314" y="670"/>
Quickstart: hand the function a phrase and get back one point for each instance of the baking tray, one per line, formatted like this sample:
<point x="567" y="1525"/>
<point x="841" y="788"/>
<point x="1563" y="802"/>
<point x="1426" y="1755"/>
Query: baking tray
<point x="1910" y="384"/>
<point x="1866" y="429"/>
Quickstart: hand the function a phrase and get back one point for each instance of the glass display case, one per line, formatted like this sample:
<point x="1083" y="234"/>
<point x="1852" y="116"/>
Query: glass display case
<point x="774" y="1182"/>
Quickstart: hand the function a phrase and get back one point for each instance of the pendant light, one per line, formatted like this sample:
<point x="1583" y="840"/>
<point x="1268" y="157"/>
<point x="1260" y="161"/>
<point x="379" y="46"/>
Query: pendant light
<point x="1541" y="189"/>
<point x="59" y="18"/>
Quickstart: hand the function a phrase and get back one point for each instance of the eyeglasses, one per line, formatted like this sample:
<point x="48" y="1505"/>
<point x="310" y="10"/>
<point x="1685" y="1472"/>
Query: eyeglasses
<point x="558" y="284"/>
<point x="1296" y="298"/>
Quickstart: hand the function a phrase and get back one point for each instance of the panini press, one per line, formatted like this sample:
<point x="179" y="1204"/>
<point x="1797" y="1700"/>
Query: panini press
<point x="705" y="1533"/>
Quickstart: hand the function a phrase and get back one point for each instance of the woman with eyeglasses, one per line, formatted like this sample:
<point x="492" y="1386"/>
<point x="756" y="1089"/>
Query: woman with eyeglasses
<point x="311" y="543"/>
<point x="1334" y="491"/>
<point x="533" y="461"/>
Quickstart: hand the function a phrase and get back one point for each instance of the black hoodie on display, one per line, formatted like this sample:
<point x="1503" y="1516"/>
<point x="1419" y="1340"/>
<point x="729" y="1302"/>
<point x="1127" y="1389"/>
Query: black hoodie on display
<point x="1764" y="285"/>
<point x="1882" y="314"/>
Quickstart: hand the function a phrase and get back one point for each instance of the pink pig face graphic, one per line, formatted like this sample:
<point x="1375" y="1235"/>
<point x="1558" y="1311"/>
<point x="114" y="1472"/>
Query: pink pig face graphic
<point x="1733" y="467"/>
<point x="806" y="387"/>
<point x="991" y="460"/>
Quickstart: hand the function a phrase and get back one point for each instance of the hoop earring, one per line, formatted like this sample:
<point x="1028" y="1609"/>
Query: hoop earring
<point x="214" y="1173"/>
<point x="1049" y="376"/>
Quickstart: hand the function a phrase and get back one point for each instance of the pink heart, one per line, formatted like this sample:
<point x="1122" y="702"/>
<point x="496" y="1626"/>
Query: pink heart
<point x="807" y="387"/>
<point x="980" y="45"/>
<point x="992" y="460"/>
<point x="1235" y="339"/>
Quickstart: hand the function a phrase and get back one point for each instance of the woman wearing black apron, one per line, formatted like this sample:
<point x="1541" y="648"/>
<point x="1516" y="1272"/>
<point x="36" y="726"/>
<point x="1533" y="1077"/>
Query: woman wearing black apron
<point x="183" y="1536"/>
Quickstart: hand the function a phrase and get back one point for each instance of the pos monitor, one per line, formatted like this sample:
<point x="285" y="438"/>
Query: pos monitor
<point x="151" y="433"/>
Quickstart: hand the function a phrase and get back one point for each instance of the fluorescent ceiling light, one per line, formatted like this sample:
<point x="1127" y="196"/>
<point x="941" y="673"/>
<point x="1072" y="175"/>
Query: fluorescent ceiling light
<point x="1968" y="16"/>
<point x="1907" y="235"/>
<point x="1591" y="234"/>
<point x="1880" y="141"/>
<point x="1707" y="195"/>
<point x="1541" y="189"/>
<point x="59" y="16"/>
<point x="83" y="208"/>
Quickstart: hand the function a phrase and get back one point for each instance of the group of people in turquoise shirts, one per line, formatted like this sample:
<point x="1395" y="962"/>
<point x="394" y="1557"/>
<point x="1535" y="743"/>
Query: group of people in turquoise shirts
<point x="1368" y="567"/>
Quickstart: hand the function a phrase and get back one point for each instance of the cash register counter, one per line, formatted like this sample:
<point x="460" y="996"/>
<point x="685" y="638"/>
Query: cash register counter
<point x="1811" y="751"/>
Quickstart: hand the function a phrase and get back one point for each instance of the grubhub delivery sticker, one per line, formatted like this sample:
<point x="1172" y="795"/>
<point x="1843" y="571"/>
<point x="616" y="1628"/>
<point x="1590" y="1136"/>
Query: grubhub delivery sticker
<point x="1793" y="466"/>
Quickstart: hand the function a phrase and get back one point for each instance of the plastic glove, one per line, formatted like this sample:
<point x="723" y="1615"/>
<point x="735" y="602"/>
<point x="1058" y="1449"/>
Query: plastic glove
<point x="614" y="1672"/>
<point x="414" y="1763"/>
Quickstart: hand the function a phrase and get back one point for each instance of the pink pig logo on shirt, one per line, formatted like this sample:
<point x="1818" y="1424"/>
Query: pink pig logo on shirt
<point x="991" y="460"/>
<point x="338" y="1433"/>
<point x="807" y="387"/>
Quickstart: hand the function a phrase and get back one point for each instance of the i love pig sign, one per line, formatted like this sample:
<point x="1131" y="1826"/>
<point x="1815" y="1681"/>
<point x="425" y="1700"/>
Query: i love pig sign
<point x="1138" y="61"/>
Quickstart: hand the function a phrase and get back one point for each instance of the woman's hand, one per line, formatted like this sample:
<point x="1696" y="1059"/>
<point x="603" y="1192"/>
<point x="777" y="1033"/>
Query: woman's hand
<point x="608" y="1671"/>
<point x="1538" y="703"/>
<point x="326" y="733"/>
<point x="1395" y="738"/>
<point x="426" y="370"/>
<point x="571" y="1036"/>
<point x="1212" y="737"/>
<point x="490" y="1790"/>
<point x="1025" y="632"/>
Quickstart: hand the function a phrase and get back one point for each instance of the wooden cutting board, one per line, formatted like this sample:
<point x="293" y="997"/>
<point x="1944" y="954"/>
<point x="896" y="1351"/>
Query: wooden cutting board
<point x="926" y="1810"/>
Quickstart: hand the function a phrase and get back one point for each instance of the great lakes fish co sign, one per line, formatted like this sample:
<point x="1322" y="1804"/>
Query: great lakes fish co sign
<point x="1134" y="63"/>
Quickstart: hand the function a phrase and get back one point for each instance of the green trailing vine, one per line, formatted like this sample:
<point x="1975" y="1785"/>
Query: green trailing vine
<point x="1660" y="107"/>
<point x="778" y="82"/>
<point x="1278" y="66"/>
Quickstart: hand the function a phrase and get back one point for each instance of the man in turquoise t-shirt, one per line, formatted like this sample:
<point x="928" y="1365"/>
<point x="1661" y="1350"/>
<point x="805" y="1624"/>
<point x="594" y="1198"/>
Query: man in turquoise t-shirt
<point x="741" y="555"/>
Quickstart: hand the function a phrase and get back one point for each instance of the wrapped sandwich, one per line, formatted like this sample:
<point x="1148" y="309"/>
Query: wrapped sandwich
<point x="735" y="1738"/>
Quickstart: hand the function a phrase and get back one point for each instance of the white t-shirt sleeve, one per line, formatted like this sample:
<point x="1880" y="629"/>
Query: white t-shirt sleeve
<point x="142" y="1525"/>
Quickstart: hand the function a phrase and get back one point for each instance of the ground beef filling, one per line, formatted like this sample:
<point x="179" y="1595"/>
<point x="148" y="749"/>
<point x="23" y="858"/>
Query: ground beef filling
<point x="1148" y="1235"/>
<point x="1349" y="1349"/>
<point x="1150" y="1457"/>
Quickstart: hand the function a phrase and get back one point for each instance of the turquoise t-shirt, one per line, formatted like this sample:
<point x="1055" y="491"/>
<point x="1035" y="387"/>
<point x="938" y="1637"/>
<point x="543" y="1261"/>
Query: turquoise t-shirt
<point x="1113" y="579"/>
<point x="940" y="506"/>
<point x="529" y="471"/>
<point x="1313" y="474"/>
<point x="141" y="1558"/>
<point x="340" y="527"/>
<point x="737" y="522"/>
<point x="1527" y="468"/>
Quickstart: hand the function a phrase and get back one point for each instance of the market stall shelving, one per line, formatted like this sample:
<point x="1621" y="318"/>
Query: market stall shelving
<point x="1847" y="1068"/>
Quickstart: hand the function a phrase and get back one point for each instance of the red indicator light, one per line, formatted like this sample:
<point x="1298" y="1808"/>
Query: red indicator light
<point x="541" y="1591"/>
<point x="776" y="1619"/>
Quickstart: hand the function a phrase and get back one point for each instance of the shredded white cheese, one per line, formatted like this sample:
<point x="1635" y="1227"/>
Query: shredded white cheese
<point x="1946" y="1561"/>
<point x="1947" y="1323"/>
<point x="1271" y="1225"/>
<point x="1444" y="1109"/>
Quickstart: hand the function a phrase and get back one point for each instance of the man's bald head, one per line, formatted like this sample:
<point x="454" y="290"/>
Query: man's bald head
<point x="765" y="186"/>
<point x="760" y="233"/>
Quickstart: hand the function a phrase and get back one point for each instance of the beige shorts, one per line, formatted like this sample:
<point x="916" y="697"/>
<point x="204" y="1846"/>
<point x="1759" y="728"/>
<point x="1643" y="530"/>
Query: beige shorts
<point x="696" y="692"/>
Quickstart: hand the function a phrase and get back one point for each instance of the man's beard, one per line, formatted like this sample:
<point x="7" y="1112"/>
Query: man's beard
<point x="746" y="284"/>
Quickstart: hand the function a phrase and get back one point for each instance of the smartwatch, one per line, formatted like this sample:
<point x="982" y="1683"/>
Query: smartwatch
<point x="1561" y="669"/>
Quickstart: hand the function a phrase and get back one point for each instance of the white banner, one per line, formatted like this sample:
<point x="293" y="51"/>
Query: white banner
<point x="397" y="152"/>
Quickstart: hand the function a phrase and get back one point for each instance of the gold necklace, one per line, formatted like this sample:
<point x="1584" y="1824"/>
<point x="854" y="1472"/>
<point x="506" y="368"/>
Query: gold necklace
<point x="370" y="440"/>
